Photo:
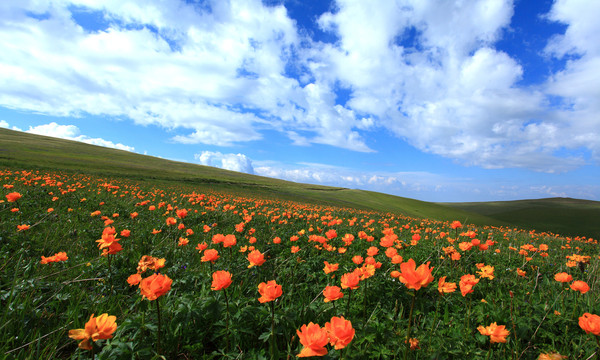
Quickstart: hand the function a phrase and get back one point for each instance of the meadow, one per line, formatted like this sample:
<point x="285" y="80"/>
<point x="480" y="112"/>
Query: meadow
<point x="108" y="267"/>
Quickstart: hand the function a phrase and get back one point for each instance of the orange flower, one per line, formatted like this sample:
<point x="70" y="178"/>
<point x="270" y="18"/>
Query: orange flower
<point x="294" y="249"/>
<point x="580" y="286"/>
<point x="60" y="256"/>
<point x="229" y="240"/>
<point x="256" y="258"/>
<point x="350" y="280"/>
<point x="22" y="227"/>
<point x="150" y="262"/>
<point x="590" y="323"/>
<point x="497" y="333"/>
<point x="155" y="286"/>
<point x="445" y="287"/>
<point x="201" y="247"/>
<point x="126" y="233"/>
<point x="210" y="255"/>
<point x="134" y="279"/>
<point x="357" y="259"/>
<point x="466" y="284"/>
<point x="456" y="224"/>
<point x="182" y="213"/>
<point x="329" y="268"/>
<point x="97" y="328"/>
<point x="313" y="339"/>
<point x="340" y="332"/>
<point x="13" y="196"/>
<point x="183" y="241"/>
<point x="563" y="277"/>
<point x="221" y="280"/>
<point x="521" y="272"/>
<point x="171" y="221"/>
<point x="332" y="293"/>
<point x="269" y="291"/>
<point x="415" y="278"/>
<point x="551" y="356"/>
<point x="331" y="234"/>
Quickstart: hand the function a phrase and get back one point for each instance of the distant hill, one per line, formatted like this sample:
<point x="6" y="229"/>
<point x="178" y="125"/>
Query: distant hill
<point x="28" y="151"/>
<point x="563" y="216"/>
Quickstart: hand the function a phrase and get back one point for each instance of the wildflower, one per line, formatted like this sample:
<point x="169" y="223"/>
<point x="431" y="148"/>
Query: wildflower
<point x="201" y="247"/>
<point x="357" y="259"/>
<point x="134" y="279"/>
<point x="414" y="343"/>
<point x="210" y="255"/>
<point x="60" y="256"/>
<point x="590" y="323"/>
<point x="22" y="227"/>
<point x="340" y="332"/>
<point x="487" y="271"/>
<point x="521" y="272"/>
<point x="97" y="328"/>
<point x="221" y="280"/>
<point x="125" y="233"/>
<point x="256" y="258"/>
<point x="313" y="339"/>
<point x="415" y="278"/>
<point x="350" y="280"/>
<point x="563" y="277"/>
<point x="329" y="268"/>
<point x="150" y="262"/>
<point x="171" y="221"/>
<point x="580" y="286"/>
<point x="183" y="241"/>
<point x="445" y="287"/>
<point x="182" y="213"/>
<point x="332" y="293"/>
<point x="551" y="356"/>
<point x="294" y="249"/>
<point x="13" y="196"/>
<point x="466" y="284"/>
<point x="269" y="291"/>
<point x="155" y="286"/>
<point x="497" y="333"/>
<point x="456" y="224"/>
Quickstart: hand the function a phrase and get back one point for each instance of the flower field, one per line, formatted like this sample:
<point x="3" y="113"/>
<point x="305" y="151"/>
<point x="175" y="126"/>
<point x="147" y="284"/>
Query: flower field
<point x="108" y="268"/>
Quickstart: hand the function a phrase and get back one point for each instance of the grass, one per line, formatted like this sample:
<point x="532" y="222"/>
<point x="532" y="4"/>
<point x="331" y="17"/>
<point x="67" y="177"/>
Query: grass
<point x="573" y="217"/>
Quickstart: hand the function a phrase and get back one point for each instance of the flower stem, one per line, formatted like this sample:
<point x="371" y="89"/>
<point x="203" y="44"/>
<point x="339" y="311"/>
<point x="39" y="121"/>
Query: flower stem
<point x="226" y="322"/>
<point x="348" y="302"/>
<point x="410" y="314"/>
<point x="272" y="345"/>
<point x="159" y="326"/>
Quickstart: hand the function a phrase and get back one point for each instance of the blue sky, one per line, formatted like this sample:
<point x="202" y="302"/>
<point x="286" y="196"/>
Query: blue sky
<point x="432" y="100"/>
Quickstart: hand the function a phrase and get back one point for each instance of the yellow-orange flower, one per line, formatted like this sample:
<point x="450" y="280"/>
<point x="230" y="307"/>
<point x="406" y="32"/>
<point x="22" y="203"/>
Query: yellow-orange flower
<point x="256" y="258"/>
<point x="445" y="287"/>
<point x="269" y="291"/>
<point x="155" y="286"/>
<point x="590" y="323"/>
<point x="221" y="280"/>
<point x="340" y="332"/>
<point x="415" y="278"/>
<point x="332" y="293"/>
<point x="313" y="339"/>
<point x="551" y="356"/>
<point x="134" y="279"/>
<point x="97" y="328"/>
<point x="497" y="333"/>
<point x="350" y="280"/>
<point x="486" y="271"/>
<point x="329" y="268"/>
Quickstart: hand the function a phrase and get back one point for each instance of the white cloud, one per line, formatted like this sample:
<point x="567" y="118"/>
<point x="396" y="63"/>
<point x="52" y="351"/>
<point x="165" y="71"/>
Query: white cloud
<point x="233" y="162"/>
<point x="219" y="73"/>
<point x="71" y="132"/>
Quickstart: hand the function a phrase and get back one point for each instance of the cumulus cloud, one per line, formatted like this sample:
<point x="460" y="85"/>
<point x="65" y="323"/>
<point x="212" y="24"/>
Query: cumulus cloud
<point x="72" y="132"/>
<point x="233" y="162"/>
<point x="223" y="72"/>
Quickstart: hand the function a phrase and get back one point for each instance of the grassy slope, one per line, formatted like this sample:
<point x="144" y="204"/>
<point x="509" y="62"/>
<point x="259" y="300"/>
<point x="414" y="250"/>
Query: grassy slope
<point x="559" y="215"/>
<point x="28" y="151"/>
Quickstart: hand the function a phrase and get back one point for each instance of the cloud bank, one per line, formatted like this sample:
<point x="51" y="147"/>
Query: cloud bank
<point x="223" y="72"/>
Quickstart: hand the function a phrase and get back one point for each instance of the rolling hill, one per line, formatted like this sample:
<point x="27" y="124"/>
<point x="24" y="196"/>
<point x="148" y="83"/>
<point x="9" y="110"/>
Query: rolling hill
<point x="28" y="151"/>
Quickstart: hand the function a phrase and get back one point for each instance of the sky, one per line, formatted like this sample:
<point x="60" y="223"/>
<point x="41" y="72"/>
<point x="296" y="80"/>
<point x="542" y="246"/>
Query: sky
<point x="435" y="100"/>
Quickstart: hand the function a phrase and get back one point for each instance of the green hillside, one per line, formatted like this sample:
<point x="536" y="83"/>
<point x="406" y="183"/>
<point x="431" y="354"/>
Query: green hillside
<point x="29" y="151"/>
<point x="563" y="216"/>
